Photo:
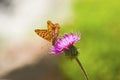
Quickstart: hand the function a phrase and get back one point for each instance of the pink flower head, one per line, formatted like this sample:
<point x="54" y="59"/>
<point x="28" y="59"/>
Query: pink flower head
<point x="65" y="43"/>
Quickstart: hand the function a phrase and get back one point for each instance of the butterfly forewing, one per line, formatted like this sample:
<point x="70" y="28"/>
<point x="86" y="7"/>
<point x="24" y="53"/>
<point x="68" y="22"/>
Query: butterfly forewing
<point x="43" y="33"/>
<point x="50" y="26"/>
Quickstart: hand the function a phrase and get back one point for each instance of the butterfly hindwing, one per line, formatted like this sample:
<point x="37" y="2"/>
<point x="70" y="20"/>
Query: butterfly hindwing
<point x="55" y="33"/>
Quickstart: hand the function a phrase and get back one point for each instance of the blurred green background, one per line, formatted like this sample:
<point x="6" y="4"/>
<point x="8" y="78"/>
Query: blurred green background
<point x="99" y="47"/>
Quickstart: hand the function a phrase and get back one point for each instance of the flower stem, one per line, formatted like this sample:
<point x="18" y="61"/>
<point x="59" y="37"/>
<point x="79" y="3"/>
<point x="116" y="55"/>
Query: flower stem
<point x="85" y="73"/>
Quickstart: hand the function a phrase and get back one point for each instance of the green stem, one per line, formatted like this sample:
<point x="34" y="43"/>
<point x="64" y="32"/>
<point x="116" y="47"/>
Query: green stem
<point x="85" y="73"/>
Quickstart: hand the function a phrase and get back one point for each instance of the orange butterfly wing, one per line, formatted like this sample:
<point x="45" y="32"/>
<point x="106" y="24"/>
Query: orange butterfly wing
<point x="44" y="34"/>
<point x="51" y="33"/>
<point x="55" y="32"/>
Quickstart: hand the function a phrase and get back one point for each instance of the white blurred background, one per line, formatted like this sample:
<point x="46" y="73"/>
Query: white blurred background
<point x="19" y="45"/>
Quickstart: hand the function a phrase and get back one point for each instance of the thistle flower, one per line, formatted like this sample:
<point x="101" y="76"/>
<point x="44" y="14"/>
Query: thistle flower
<point x="65" y="43"/>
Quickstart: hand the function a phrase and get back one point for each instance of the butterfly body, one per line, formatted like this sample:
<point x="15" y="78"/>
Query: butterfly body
<point x="51" y="33"/>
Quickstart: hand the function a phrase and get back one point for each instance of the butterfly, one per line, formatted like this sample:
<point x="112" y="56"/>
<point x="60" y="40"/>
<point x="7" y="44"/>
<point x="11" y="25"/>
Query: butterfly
<point x="50" y="34"/>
